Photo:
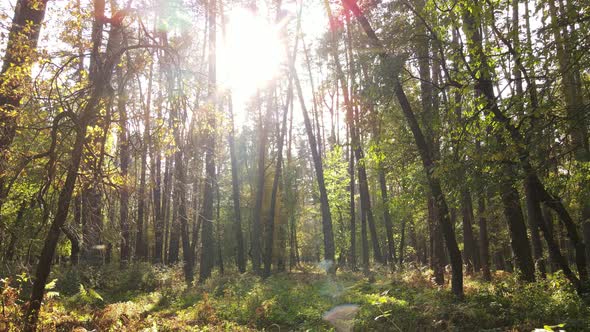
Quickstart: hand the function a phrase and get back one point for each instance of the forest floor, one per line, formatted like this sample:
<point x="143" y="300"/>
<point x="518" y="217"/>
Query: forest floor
<point x="146" y="298"/>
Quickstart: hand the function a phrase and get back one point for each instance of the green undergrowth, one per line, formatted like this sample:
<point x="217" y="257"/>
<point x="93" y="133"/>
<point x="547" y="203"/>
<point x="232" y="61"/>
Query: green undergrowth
<point x="146" y="298"/>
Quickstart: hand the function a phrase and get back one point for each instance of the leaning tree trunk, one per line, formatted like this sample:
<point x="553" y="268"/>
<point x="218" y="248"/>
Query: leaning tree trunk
<point x="486" y="88"/>
<point x="509" y="194"/>
<point x="329" y="248"/>
<point x="100" y="82"/>
<point x="426" y="154"/>
<point x="355" y="142"/>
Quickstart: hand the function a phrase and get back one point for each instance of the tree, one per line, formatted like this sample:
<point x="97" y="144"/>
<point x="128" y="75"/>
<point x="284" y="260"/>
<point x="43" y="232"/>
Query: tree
<point x="207" y="207"/>
<point x="423" y="148"/>
<point x="100" y="80"/>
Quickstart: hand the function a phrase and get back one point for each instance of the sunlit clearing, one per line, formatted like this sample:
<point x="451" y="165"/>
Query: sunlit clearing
<point x="251" y="54"/>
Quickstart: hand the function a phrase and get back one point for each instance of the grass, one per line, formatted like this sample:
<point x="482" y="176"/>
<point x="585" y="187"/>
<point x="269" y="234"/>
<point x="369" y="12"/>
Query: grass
<point x="145" y="298"/>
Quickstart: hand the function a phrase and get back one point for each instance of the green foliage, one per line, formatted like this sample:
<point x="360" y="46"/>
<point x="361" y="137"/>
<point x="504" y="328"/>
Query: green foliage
<point x="404" y="301"/>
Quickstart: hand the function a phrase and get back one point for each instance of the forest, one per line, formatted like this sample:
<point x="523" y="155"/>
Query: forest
<point x="291" y="165"/>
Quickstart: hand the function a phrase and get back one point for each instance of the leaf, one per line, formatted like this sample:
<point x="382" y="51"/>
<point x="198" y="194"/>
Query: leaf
<point x="82" y="290"/>
<point x="93" y="294"/>
<point x="52" y="294"/>
<point x="51" y="284"/>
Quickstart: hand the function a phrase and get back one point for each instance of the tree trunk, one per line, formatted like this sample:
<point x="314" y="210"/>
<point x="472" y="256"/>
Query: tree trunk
<point x="241" y="259"/>
<point x="518" y="235"/>
<point x="100" y="81"/>
<point x="570" y="86"/>
<point x="20" y="53"/>
<point x="141" y="245"/>
<point x="437" y="249"/>
<point x="535" y="217"/>
<point x="124" y="160"/>
<point x="402" y="243"/>
<point x="469" y="252"/>
<point x="174" y="237"/>
<point x="166" y="205"/>
<point x="257" y="219"/>
<point x="275" y="186"/>
<point x="329" y="249"/>
<point x="387" y="217"/>
<point x="156" y="178"/>
<point x="484" y="245"/>
<point x="207" y="239"/>
<point x="425" y="153"/>
<point x="355" y="141"/>
<point x="75" y="243"/>
<point x="353" y="265"/>
<point x="486" y="88"/>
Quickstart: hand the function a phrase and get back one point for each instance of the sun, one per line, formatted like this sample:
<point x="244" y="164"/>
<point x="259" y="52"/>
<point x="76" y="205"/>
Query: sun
<point x="250" y="53"/>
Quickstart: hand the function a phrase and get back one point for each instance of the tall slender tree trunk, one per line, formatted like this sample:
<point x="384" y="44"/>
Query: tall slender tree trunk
<point x="570" y="86"/>
<point x="469" y="252"/>
<point x="402" y="242"/>
<point x="352" y="259"/>
<point x="180" y="189"/>
<point x="275" y="186"/>
<point x="257" y="218"/>
<point x="166" y="206"/>
<point x="437" y="250"/>
<point x="124" y="160"/>
<point x="141" y="245"/>
<point x="329" y="248"/>
<point x="484" y="245"/>
<point x="156" y="179"/>
<point x="241" y="259"/>
<point x="387" y="217"/>
<point x="174" y="228"/>
<point x="207" y="239"/>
